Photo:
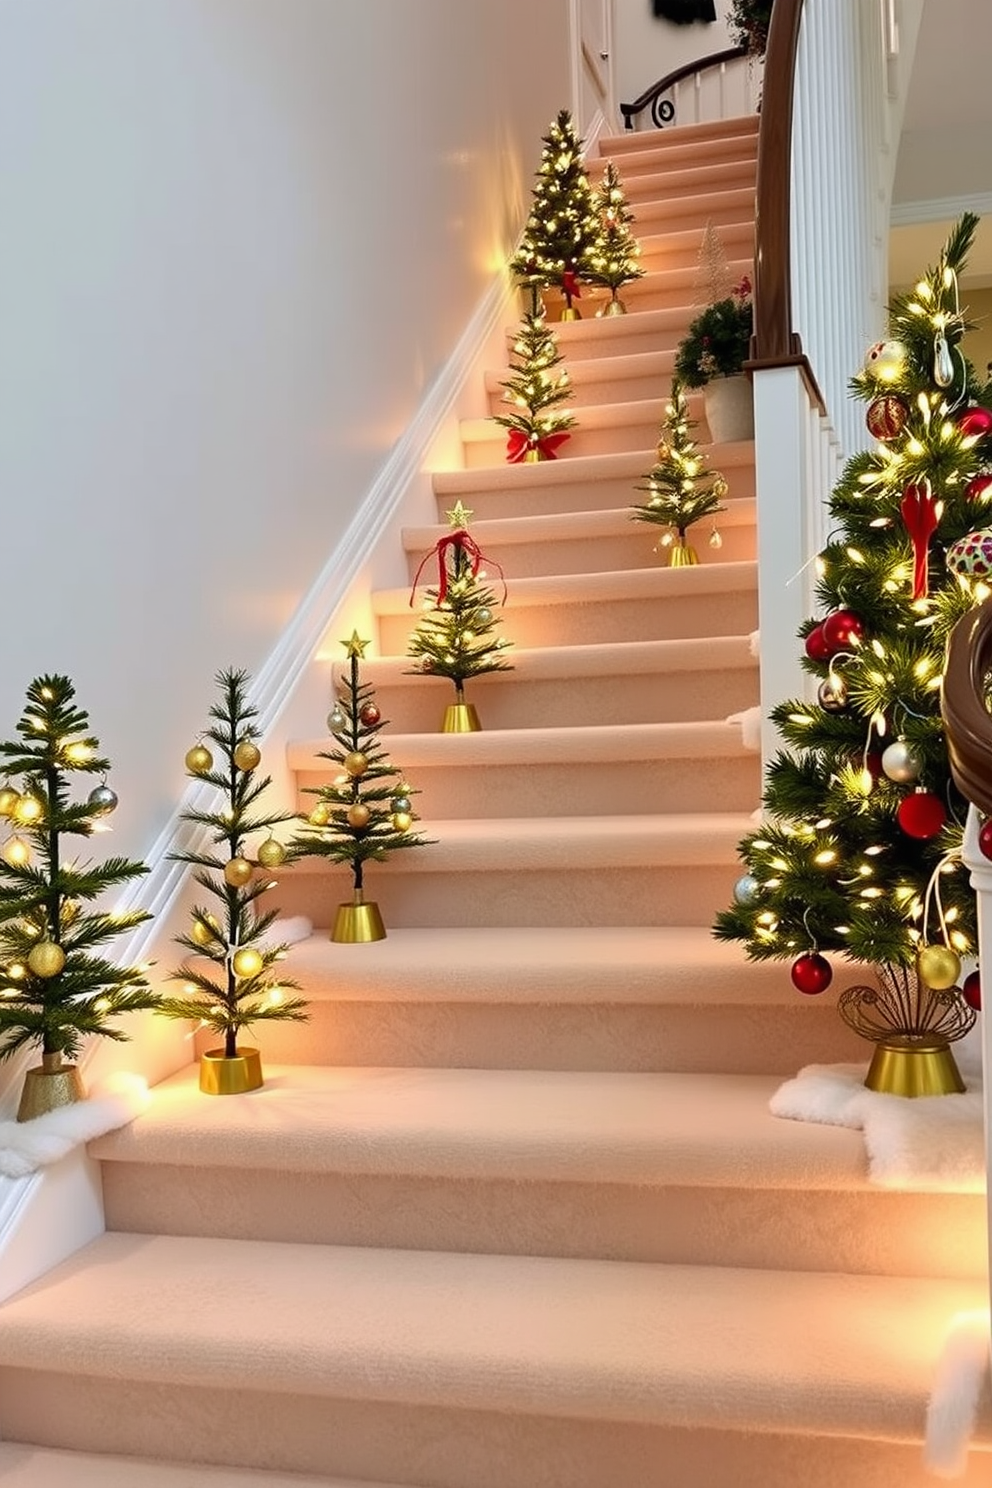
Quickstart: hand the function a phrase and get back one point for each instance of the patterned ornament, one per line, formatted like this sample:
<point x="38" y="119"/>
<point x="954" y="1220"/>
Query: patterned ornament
<point x="746" y="890"/>
<point x="971" y="990"/>
<point x="885" y="361"/>
<point x="271" y="853"/>
<point x="369" y="715"/>
<point x="816" y="644"/>
<point x="979" y="488"/>
<point x="46" y="959"/>
<point x="832" y="693"/>
<point x="939" y="966"/>
<point x="843" y="630"/>
<point x="973" y="422"/>
<point x="811" y="974"/>
<point x="247" y="754"/>
<point x="901" y="763"/>
<point x="102" y="799"/>
<point x="971" y="556"/>
<point x="886" y="416"/>
<point x="199" y="760"/>
<point x="921" y="815"/>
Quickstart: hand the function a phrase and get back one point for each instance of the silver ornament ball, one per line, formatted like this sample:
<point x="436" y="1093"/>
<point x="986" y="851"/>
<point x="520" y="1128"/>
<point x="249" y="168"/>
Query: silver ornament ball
<point x="336" y="719"/>
<point x="746" y="890"/>
<point x="102" y="799"/>
<point x="484" y="616"/>
<point x="832" y="694"/>
<point x="901" y="763"/>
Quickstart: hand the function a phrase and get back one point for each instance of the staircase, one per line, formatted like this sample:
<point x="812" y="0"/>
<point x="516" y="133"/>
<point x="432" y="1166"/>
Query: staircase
<point x="511" y="1211"/>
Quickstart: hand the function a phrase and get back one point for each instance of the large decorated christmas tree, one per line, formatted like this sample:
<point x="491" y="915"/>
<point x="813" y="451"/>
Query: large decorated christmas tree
<point x="57" y="985"/>
<point x="858" y="856"/>
<point x="562" y="227"/>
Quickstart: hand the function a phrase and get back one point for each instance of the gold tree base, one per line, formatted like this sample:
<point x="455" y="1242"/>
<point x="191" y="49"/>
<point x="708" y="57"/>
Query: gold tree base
<point x="914" y="1067"/>
<point x="48" y="1087"/>
<point x="460" y="718"/>
<point x="682" y="555"/>
<point x="222" y="1075"/>
<point x="358" y="923"/>
<point x="570" y="313"/>
<point x="614" y="307"/>
<point x="533" y="457"/>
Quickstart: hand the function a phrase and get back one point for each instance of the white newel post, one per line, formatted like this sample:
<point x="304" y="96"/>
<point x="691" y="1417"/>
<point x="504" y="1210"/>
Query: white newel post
<point x="981" y="881"/>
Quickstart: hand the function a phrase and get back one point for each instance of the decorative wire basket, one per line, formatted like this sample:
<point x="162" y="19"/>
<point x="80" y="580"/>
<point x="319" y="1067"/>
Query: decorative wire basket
<point x="903" y="1007"/>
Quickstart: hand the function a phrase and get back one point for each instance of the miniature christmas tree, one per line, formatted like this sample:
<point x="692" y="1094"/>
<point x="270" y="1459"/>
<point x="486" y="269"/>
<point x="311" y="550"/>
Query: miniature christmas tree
<point x="562" y="226"/>
<point x="613" y="257"/>
<point x="57" y="989"/>
<point x="456" y="636"/>
<point x="860" y="851"/>
<point x="366" y="812"/>
<point x="231" y="982"/>
<point x="537" y="428"/>
<point x="681" y="489"/>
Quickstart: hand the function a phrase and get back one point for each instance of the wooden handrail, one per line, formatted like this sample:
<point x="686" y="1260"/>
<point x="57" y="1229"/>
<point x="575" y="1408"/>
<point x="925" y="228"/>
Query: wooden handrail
<point x="775" y="343"/>
<point x="967" y="721"/>
<point x="688" y="69"/>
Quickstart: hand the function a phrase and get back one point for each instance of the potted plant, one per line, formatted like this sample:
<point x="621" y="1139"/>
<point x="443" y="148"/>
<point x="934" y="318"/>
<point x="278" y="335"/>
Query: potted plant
<point x="711" y="356"/>
<point x="748" y="22"/>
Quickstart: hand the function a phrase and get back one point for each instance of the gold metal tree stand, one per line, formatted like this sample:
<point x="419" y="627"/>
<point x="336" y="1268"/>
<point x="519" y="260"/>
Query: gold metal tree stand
<point x="48" y="1086"/>
<point x="226" y="1074"/>
<point x="682" y="554"/>
<point x="357" y="923"/>
<point x="912" y="1026"/>
<point x="460" y="718"/>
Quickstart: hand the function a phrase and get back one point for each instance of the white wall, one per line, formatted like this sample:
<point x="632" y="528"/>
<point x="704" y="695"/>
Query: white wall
<point x="240" y="238"/>
<point x="645" y="48"/>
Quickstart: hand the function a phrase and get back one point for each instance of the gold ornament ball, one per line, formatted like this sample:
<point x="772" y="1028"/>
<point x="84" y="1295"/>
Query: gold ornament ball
<point x="8" y="800"/>
<point x="46" y="959"/>
<point x="247" y="962"/>
<point x="320" y="815"/>
<point x="356" y="763"/>
<point x="939" y="966"/>
<point x="203" y="933"/>
<point x="16" y="852"/>
<point x="402" y="821"/>
<point x="27" y="810"/>
<point x="271" y="853"/>
<point x="664" y="450"/>
<point x="199" y="760"/>
<point x="237" y="872"/>
<point x="247" y="755"/>
<point x="358" y="815"/>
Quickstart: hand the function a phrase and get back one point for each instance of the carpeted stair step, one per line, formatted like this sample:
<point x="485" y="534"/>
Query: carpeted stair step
<point x="582" y="542"/>
<point x="688" y="144"/>
<point x="576" y="609"/>
<point x="662" y="289"/>
<point x="512" y="871"/>
<point x="578" y="482"/>
<point x="637" y="998"/>
<point x="40" y="1467"/>
<point x="670" y="181"/>
<point x="626" y="682"/>
<point x="619" y="335"/>
<point x="680" y="1169"/>
<point x="606" y="428"/>
<point x="603" y="381"/>
<point x="551" y="772"/>
<point x="419" y="1366"/>
<point x="684" y="220"/>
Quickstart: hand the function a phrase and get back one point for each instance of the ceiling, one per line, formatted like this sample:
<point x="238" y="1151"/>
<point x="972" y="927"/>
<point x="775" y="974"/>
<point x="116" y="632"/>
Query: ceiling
<point x="944" y="164"/>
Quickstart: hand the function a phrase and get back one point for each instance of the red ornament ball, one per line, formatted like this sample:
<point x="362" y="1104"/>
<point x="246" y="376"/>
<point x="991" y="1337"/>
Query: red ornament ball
<point x="369" y="715"/>
<point x="921" y="815"/>
<point x="978" y="487"/>
<point x="811" y="974"/>
<point x="842" y="630"/>
<point x="886" y="416"/>
<point x="971" y="990"/>
<point x="974" y="422"/>
<point x="985" y="837"/>
<point x="816" y="645"/>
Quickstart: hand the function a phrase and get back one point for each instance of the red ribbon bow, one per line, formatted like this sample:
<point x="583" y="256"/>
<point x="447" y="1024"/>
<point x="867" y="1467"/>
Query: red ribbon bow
<point x="454" y="542"/>
<point x="921" y="513"/>
<point x="570" y="285"/>
<point x="518" y="443"/>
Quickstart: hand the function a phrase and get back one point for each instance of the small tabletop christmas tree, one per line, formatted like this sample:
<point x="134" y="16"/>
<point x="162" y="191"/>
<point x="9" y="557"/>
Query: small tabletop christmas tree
<point x="56" y="988"/>
<point x="366" y="812"/>
<point x="562" y="226"/>
<point x="612" y="259"/>
<point x="537" y="429"/>
<point x="860" y="852"/>
<point x="242" y="986"/>
<point x="681" y="489"/>
<point x="456" y="636"/>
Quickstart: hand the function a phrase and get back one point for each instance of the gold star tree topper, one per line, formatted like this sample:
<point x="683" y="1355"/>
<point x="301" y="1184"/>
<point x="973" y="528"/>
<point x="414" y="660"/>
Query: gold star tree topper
<point x="459" y="516"/>
<point x="356" y="646"/>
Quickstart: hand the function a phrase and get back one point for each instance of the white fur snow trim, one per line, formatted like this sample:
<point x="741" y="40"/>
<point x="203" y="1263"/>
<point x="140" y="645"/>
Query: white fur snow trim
<point x="962" y="1370"/>
<point x="26" y="1146"/>
<point x="750" y="722"/>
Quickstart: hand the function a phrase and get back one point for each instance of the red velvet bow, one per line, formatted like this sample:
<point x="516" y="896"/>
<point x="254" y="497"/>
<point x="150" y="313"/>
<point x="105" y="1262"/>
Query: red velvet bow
<point x="921" y="513"/>
<point x="570" y="285"/>
<point x="454" y="542"/>
<point x="518" y="443"/>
